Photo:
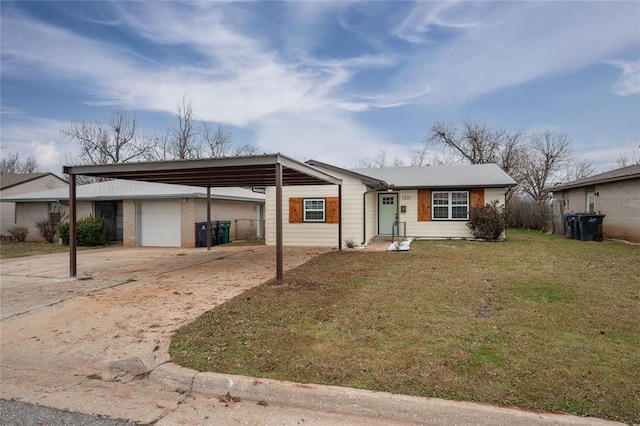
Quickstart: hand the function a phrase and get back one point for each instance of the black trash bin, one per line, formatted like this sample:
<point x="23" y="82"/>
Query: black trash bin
<point x="569" y="224"/>
<point x="214" y="233"/>
<point x="591" y="227"/>
<point x="201" y="234"/>
<point x="572" y="225"/>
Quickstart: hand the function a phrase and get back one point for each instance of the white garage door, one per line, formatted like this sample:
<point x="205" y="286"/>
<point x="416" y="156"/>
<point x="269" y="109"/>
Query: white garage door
<point x="160" y="224"/>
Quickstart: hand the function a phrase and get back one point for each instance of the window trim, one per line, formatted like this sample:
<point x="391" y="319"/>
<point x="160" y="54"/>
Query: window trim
<point x="450" y="205"/>
<point x="323" y="210"/>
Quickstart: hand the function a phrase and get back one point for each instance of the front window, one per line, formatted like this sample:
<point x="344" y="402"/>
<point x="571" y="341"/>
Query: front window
<point x="54" y="212"/>
<point x="314" y="209"/>
<point x="450" y="205"/>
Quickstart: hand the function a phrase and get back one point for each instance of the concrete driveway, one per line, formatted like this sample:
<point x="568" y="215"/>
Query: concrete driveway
<point x="63" y="341"/>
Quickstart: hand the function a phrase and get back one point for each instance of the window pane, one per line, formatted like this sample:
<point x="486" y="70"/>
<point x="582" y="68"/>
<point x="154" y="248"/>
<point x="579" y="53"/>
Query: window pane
<point x="314" y="204"/>
<point x="314" y="215"/>
<point x="459" y="212"/>
<point x="387" y="200"/>
<point x="441" y="212"/>
<point x="314" y="210"/>
<point x="440" y="198"/>
<point x="459" y="198"/>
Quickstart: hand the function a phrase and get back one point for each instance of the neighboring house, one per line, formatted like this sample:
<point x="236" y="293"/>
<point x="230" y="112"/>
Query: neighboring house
<point x="12" y="184"/>
<point x="615" y="194"/>
<point x="431" y="201"/>
<point x="148" y="214"/>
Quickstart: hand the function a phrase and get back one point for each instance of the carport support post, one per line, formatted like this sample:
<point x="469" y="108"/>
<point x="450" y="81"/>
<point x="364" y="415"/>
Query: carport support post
<point x="208" y="218"/>
<point x="340" y="217"/>
<point x="72" y="227"/>
<point x="279" y="266"/>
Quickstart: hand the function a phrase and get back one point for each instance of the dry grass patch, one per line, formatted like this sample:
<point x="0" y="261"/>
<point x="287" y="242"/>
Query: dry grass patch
<point x="537" y="322"/>
<point x="19" y="249"/>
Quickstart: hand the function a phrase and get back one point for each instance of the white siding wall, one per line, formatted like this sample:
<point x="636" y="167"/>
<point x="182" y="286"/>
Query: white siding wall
<point x="435" y="228"/>
<point x="372" y="216"/>
<point x="325" y="234"/>
<point x="318" y="234"/>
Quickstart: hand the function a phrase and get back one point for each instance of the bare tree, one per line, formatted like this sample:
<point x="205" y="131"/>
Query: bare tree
<point x="245" y="149"/>
<point x="477" y="143"/>
<point x="217" y="140"/>
<point x="115" y="142"/>
<point x="547" y="154"/>
<point x="625" y="161"/>
<point x="160" y="145"/>
<point x="577" y="169"/>
<point x="185" y="143"/>
<point x="420" y="156"/>
<point x="380" y="160"/>
<point x="12" y="164"/>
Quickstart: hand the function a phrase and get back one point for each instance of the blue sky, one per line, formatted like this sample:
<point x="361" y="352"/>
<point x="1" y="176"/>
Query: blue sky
<point x="332" y="81"/>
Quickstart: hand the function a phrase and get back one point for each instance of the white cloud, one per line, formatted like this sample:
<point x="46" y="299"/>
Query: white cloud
<point x="428" y="16"/>
<point x="629" y="82"/>
<point x="511" y="43"/>
<point x="322" y="135"/>
<point x="245" y="69"/>
<point x="36" y="137"/>
<point x="49" y="156"/>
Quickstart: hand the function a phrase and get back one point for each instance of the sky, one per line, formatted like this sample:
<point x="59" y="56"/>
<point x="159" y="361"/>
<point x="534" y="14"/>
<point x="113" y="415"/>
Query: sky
<point x="330" y="81"/>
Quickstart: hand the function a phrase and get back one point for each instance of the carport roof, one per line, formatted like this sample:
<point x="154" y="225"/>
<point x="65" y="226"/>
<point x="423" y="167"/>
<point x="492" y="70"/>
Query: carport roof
<point x="253" y="171"/>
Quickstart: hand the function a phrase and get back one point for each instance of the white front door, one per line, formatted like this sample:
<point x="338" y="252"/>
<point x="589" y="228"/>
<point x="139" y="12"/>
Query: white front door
<point x="159" y="223"/>
<point x="387" y="213"/>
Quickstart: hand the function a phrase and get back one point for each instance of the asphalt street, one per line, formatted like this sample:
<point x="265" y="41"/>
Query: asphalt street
<point x="15" y="413"/>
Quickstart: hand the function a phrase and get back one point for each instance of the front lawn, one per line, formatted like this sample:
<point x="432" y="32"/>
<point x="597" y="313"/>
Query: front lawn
<point x="538" y="322"/>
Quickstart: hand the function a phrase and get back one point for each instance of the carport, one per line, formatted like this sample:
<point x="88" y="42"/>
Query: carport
<point x="258" y="172"/>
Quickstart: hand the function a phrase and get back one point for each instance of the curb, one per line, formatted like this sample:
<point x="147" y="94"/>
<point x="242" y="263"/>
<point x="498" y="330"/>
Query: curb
<point x="357" y="402"/>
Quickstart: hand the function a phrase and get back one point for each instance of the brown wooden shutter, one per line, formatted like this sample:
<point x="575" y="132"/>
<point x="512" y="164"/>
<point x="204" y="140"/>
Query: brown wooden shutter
<point x="295" y="210"/>
<point x="424" y="205"/>
<point x="332" y="213"/>
<point x="477" y="197"/>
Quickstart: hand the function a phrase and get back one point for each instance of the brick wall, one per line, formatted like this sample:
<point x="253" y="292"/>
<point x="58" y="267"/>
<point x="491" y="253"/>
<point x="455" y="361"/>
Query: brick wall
<point x="619" y="201"/>
<point x="27" y="214"/>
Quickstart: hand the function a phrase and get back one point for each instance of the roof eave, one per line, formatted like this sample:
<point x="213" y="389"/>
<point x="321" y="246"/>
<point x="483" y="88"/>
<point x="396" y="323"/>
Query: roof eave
<point x="366" y="180"/>
<point x="584" y="183"/>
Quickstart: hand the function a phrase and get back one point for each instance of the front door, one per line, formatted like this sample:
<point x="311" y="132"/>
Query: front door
<point x="111" y="213"/>
<point x="387" y="213"/>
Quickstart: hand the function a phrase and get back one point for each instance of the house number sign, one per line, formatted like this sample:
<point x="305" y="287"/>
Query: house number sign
<point x="406" y="197"/>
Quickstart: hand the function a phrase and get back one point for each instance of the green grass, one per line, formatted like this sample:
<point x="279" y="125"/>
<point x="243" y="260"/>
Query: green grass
<point x="538" y="322"/>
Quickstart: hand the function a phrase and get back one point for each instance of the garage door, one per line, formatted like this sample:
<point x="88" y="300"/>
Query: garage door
<point x="160" y="224"/>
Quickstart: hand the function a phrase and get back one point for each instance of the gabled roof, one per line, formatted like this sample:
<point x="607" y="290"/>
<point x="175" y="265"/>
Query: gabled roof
<point x="367" y="180"/>
<point x="136" y="190"/>
<point x="467" y="175"/>
<point x="7" y="180"/>
<point x="624" y="173"/>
